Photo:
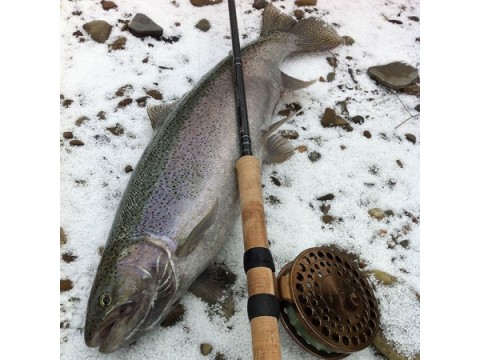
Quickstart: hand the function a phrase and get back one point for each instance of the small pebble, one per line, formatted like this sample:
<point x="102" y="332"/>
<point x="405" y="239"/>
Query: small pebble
<point x="399" y="163"/>
<point x="145" y="60"/>
<point x="411" y="138"/>
<point x="203" y="25"/>
<point x="376" y="213"/>
<point x="101" y="115"/>
<point x="68" y="257"/>
<point x="330" y="77"/>
<point x="118" y="44"/>
<point x="67" y="102"/>
<point x="220" y="356"/>
<point x="107" y="5"/>
<point x="63" y="237"/>
<point x="128" y="168"/>
<point x="205" y="2"/>
<point x="299" y="14"/>
<point x="275" y="181"/>
<point x="305" y="2"/>
<point x="358" y="120"/>
<point x="68" y="135"/>
<point x="124" y="89"/>
<point x="289" y="134"/>
<point x="76" y="142"/>
<point x="332" y="60"/>
<point x="417" y="108"/>
<point x="142" y="101"/>
<point x="367" y="134"/>
<point x="348" y="40"/>
<point x="65" y="285"/>
<point x="327" y="219"/>
<point x="206" y="349"/>
<point x="326" y="197"/>
<point x="325" y="208"/>
<point x="301" y="148"/>
<point x="125" y="102"/>
<point x="157" y="95"/>
<point x="273" y="200"/>
<point x="405" y="244"/>
<point x="116" y="130"/>
<point x="259" y="4"/>
<point x="389" y="213"/>
<point x="314" y="156"/>
<point x="414" y="18"/>
<point x="81" y="120"/>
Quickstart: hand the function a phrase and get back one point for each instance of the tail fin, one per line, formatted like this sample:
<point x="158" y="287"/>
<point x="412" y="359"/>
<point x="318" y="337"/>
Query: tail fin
<point x="313" y="34"/>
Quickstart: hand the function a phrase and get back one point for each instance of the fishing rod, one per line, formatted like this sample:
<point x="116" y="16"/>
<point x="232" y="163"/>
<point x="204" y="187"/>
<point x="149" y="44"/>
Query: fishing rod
<point x="263" y="306"/>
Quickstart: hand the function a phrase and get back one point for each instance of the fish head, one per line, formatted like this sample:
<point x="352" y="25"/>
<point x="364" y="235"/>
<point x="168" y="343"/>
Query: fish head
<point x="129" y="288"/>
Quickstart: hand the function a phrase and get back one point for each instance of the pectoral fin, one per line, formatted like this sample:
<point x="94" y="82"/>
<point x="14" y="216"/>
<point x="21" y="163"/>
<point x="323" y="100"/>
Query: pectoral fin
<point x="291" y="84"/>
<point x="211" y="285"/>
<point x="158" y="113"/>
<point x="196" y="235"/>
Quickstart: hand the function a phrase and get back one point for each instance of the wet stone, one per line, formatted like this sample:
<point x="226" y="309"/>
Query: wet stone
<point x="68" y="257"/>
<point x="142" y="101"/>
<point x="405" y="244"/>
<point x="417" y="108"/>
<point x="260" y="4"/>
<point x="394" y="21"/>
<point x="141" y="26"/>
<point x="396" y="75"/>
<point x="68" y="135"/>
<point x="65" y="285"/>
<point x="358" y="119"/>
<point x="220" y="356"/>
<point x="124" y="89"/>
<point x="275" y="181"/>
<point x="305" y="2"/>
<point x="314" y="156"/>
<point x="367" y="134"/>
<point x="81" y="120"/>
<point x="128" y="168"/>
<point x="411" y="138"/>
<point x="301" y="148"/>
<point x="63" y="237"/>
<point x="205" y="2"/>
<point x="327" y="219"/>
<point x="299" y="14"/>
<point x="330" y="77"/>
<point x="108" y="5"/>
<point x="325" y="208"/>
<point x="67" y="102"/>
<point x="376" y="213"/>
<point x="389" y="213"/>
<point x="329" y="117"/>
<point x="145" y="60"/>
<point x="125" y="102"/>
<point x="203" y="25"/>
<point x="413" y="89"/>
<point x="206" y="349"/>
<point x="289" y="134"/>
<point x="326" y="197"/>
<point x="118" y="44"/>
<point x="399" y="163"/>
<point x="157" y="95"/>
<point x="116" y="130"/>
<point x="77" y="33"/>
<point x="414" y="18"/>
<point x="76" y="142"/>
<point x="101" y="115"/>
<point x="348" y="40"/>
<point x="99" y="30"/>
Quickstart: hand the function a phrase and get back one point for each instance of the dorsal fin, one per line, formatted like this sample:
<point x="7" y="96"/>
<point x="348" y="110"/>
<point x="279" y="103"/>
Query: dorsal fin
<point x="158" y="113"/>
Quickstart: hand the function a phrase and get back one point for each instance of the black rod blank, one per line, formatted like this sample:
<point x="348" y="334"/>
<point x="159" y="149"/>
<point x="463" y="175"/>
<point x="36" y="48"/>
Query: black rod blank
<point x="241" y="101"/>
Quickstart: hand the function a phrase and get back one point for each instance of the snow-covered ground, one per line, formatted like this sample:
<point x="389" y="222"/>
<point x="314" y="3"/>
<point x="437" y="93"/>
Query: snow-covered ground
<point x="362" y="173"/>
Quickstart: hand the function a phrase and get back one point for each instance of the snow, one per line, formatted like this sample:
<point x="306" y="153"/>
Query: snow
<point x="93" y="176"/>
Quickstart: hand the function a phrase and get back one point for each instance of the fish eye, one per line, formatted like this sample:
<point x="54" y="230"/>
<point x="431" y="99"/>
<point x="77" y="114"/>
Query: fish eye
<point x="105" y="300"/>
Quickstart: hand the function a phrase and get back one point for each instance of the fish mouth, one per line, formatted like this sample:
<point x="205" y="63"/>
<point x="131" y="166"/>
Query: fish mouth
<point x="116" y="328"/>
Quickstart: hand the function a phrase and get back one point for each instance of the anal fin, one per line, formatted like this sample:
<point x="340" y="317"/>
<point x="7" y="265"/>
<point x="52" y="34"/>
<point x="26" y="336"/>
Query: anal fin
<point x="291" y="84"/>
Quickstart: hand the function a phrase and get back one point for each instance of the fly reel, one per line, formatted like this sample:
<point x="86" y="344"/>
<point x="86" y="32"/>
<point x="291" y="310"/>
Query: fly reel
<point x="326" y="304"/>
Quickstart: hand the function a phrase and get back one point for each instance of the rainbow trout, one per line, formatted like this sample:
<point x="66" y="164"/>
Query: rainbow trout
<point x="182" y="200"/>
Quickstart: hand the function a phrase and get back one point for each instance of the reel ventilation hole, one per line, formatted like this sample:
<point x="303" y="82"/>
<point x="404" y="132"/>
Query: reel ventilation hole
<point x="326" y="304"/>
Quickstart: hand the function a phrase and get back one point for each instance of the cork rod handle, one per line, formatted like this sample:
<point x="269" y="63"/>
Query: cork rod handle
<point x="261" y="279"/>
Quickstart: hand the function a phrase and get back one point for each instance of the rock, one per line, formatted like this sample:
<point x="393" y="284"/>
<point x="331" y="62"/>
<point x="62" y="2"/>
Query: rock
<point x="376" y="213"/>
<point x="81" y="120"/>
<point x="299" y="14"/>
<point x="116" y="130"/>
<point x="76" y="143"/>
<point x="206" y="349"/>
<point x="348" y="40"/>
<point x="413" y="89"/>
<point x="68" y="257"/>
<point x="332" y="61"/>
<point x="63" y="237"/>
<point x="141" y="26"/>
<point x="118" y="44"/>
<point x="107" y="5"/>
<point x="339" y="121"/>
<point x="203" y="25"/>
<point x="411" y="138"/>
<point x="68" y="135"/>
<point x="99" y="30"/>
<point x="414" y="18"/>
<point x="367" y="134"/>
<point x="174" y="316"/>
<point x="67" y="102"/>
<point x="305" y="2"/>
<point x="327" y="219"/>
<point x="101" y="115"/>
<point x="205" y="2"/>
<point x="325" y="208"/>
<point x="394" y="21"/>
<point x="326" y="197"/>
<point x="399" y="163"/>
<point x="157" y="95"/>
<point x="142" y="101"/>
<point x="383" y="277"/>
<point x="358" y="119"/>
<point x="417" y="108"/>
<point x="329" y="118"/>
<point x="396" y="75"/>
<point x="128" y="168"/>
<point x="65" y="285"/>
<point x="289" y="134"/>
<point x="389" y="213"/>
<point x="405" y="244"/>
<point x="330" y="77"/>
<point x="145" y="60"/>
<point x="301" y="148"/>
<point x="220" y="356"/>
<point x="275" y="181"/>
<point x="125" y="88"/>
<point x="314" y="156"/>
<point x="259" y="4"/>
<point x="77" y="33"/>
<point x="124" y="102"/>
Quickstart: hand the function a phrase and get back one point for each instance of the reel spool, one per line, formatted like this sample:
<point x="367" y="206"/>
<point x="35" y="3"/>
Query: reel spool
<point x="326" y="304"/>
